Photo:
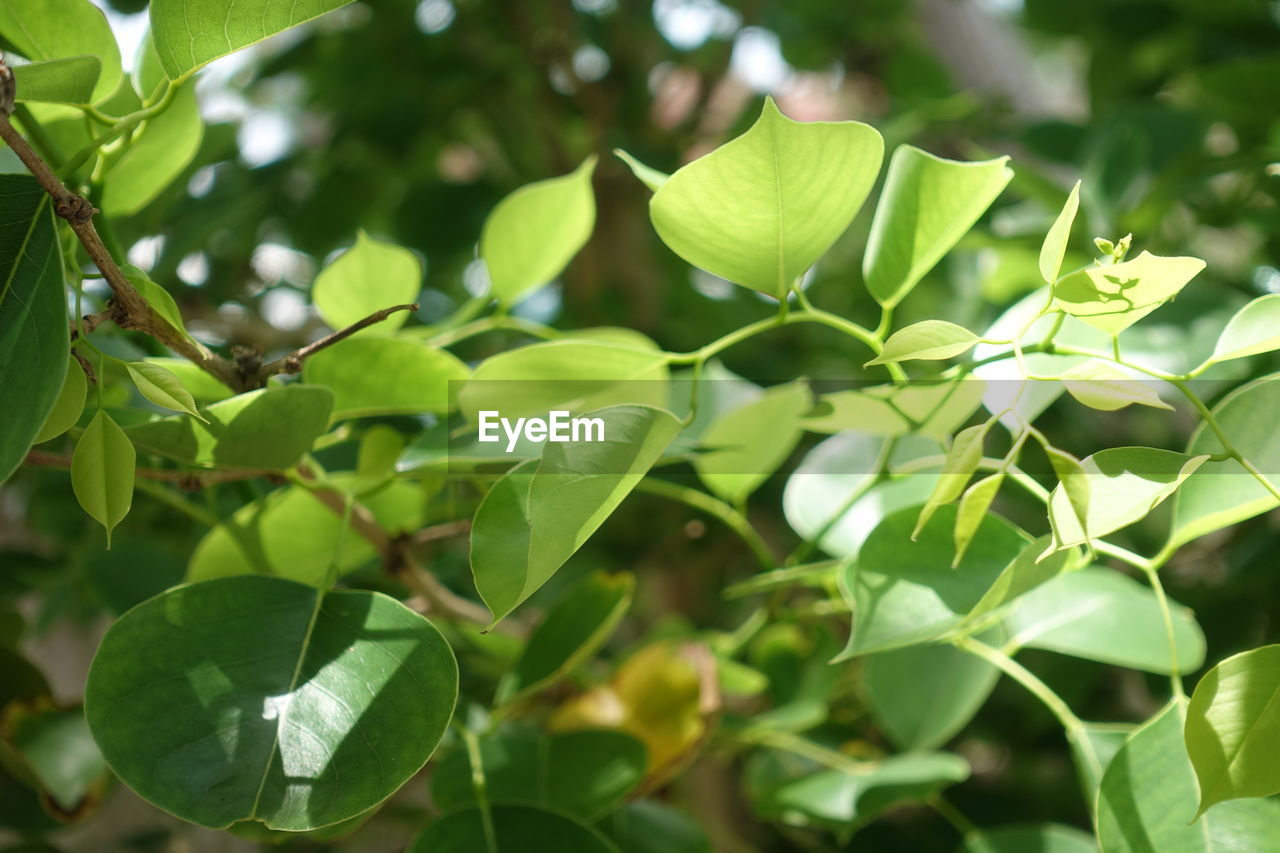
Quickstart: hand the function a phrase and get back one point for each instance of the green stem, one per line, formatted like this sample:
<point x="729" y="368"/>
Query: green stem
<point x="765" y="581"/>
<point x="1026" y="678"/>
<point x="1175" y="674"/>
<point x="448" y="337"/>
<point x="715" y="507"/>
<point x="123" y="126"/>
<point x="480" y="787"/>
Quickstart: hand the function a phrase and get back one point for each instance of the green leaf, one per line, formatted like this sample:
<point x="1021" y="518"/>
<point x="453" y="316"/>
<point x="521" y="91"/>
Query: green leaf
<point x="33" y="314"/>
<point x="201" y="385"/>
<point x="538" y="515"/>
<point x="1099" y="614"/>
<point x="386" y="376"/>
<point x="58" y="81"/>
<point x="974" y="505"/>
<point x="1036" y="838"/>
<point x="584" y="774"/>
<point x="1254" y="329"/>
<point x="763" y="208"/>
<point x="904" y="591"/>
<point x="928" y="340"/>
<point x="161" y="387"/>
<point x="158" y="154"/>
<point x="380" y="449"/>
<point x="56" y="748"/>
<point x="102" y="472"/>
<point x="159" y="299"/>
<point x="647" y="175"/>
<point x="1098" y="385"/>
<point x="937" y="407"/>
<point x="1113" y="297"/>
<point x="1220" y="494"/>
<point x="255" y="698"/>
<point x="371" y="275"/>
<point x="922" y="696"/>
<point x="69" y="405"/>
<point x="646" y="826"/>
<point x="1093" y="746"/>
<point x="926" y="206"/>
<point x="191" y="33"/>
<point x="577" y="376"/>
<point x="1055" y="242"/>
<point x="1148" y="798"/>
<point x="292" y="535"/>
<point x="1073" y="480"/>
<point x="532" y="234"/>
<point x="269" y="428"/>
<point x="1233" y="727"/>
<point x="747" y="444"/>
<point x="1021" y="576"/>
<point x="1124" y="485"/>
<point x="962" y="461"/>
<point x="573" y="630"/>
<point x="60" y="29"/>
<point x="515" y="829"/>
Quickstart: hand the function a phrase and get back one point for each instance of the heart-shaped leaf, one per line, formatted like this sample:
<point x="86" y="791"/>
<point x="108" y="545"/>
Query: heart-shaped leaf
<point x="255" y="698"/>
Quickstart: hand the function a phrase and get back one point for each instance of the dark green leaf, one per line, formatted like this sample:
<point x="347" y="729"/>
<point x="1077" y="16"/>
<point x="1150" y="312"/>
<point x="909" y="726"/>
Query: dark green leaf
<point x="515" y="829"/>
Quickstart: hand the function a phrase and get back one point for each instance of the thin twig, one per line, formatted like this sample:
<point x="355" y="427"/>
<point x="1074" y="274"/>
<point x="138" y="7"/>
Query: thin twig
<point x="187" y="480"/>
<point x="292" y="363"/>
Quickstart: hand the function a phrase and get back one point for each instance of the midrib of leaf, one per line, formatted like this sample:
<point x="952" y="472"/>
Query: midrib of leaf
<point x="777" y="185"/>
<point x="293" y="685"/>
<point x="1253" y="727"/>
<point x="22" y="250"/>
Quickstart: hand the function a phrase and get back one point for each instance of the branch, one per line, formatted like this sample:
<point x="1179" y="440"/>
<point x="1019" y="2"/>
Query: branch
<point x="292" y="363"/>
<point x="130" y="310"/>
<point x="190" y="481"/>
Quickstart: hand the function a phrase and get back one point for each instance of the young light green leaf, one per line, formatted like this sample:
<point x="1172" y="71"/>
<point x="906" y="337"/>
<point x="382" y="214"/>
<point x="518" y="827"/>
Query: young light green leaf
<point x="386" y="376"/>
<point x="573" y="630"/>
<point x="747" y="444"/>
<point x="1147" y="801"/>
<point x="158" y="298"/>
<point x="974" y="505"/>
<point x="379" y="449"/>
<point x="102" y="469"/>
<point x="69" y="405"/>
<point x="1124" y="484"/>
<point x="1115" y="296"/>
<point x="1233" y="728"/>
<point x="350" y="692"/>
<point x="763" y="208"/>
<point x="191" y="33"/>
<point x="58" y="81"/>
<point x="33" y="314"/>
<point x="539" y="514"/>
<point x="1098" y="385"/>
<point x="532" y="234"/>
<point x="1099" y="614"/>
<point x="201" y="385"/>
<point x="60" y="29"/>
<point x="1254" y="329"/>
<point x="647" y="175"/>
<point x="1073" y="480"/>
<point x="158" y="154"/>
<point x="928" y="340"/>
<point x="926" y="206"/>
<point x="371" y="275"/>
<point x="1055" y="242"/>
<point x="161" y="387"/>
<point x="510" y="828"/>
<point x="962" y="461"/>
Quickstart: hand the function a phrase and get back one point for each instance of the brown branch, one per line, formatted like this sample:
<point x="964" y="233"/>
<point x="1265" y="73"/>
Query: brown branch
<point x="188" y="480"/>
<point x="292" y="363"/>
<point x="130" y="310"/>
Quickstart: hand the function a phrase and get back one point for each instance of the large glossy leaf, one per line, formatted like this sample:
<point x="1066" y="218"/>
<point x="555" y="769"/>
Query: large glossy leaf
<point x="763" y="208"/>
<point x="59" y="29"/>
<point x="1124" y="485"/>
<point x="102" y="472"/>
<point x="371" y="275"/>
<point x="537" y="516"/>
<point x="1102" y="615"/>
<point x="269" y="428"/>
<point x="291" y="534"/>
<point x="573" y="630"/>
<point x="255" y="698"/>
<point x="33" y="315"/>
<point x="1033" y="838"/>
<point x="646" y="826"/>
<point x="1114" y="297"/>
<point x="156" y="157"/>
<point x="584" y="774"/>
<point x="573" y="375"/>
<point x="926" y="206"/>
<point x="1233" y="727"/>
<point x="905" y="592"/>
<point x="515" y="829"/>
<point x="386" y="376"/>
<point x="60" y="81"/>
<point x="1147" y="803"/>
<point x="747" y="444"/>
<point x="1254" y="329"/>
<point x="190" y="33"/>
<point x="1220" y="494"/>
<point x="532" y="234"/>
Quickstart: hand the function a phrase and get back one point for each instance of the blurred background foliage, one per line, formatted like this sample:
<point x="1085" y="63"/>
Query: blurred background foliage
<point x="411" y="119"/>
